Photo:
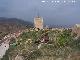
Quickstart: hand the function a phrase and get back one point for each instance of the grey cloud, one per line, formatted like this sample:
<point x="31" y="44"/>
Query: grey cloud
<point x="27" y="9"/>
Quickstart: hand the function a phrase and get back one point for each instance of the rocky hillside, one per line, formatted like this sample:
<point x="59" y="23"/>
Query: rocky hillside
<point x="31" y="45"/>
<point x="8" y="25"/>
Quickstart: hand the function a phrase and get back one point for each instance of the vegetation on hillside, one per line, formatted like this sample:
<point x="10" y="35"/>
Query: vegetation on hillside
<point x="10" y="25"/>
<point x="61" y="46"/>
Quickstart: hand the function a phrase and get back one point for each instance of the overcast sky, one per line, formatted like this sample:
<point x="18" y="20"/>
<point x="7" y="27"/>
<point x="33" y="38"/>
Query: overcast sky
<point x="53" y="11"/>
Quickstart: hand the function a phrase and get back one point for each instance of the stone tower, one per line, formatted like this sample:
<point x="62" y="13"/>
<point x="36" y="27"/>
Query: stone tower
<point x="38" y="22"/>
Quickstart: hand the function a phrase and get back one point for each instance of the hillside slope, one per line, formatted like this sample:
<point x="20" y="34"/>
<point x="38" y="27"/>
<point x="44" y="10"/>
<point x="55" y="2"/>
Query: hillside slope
<point x="8" y="25"/>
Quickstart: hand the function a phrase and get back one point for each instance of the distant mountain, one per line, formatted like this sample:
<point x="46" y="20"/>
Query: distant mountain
<point x="60" y="26"/>
<point x="8" y="25"/>
<point x="15" y="21"/>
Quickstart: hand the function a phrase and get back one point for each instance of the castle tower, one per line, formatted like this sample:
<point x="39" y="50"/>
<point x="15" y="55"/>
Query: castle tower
<point x="38" y="22"/>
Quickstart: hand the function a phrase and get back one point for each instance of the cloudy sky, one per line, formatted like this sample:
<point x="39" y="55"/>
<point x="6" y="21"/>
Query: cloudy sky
<point x="53" y="11"/>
